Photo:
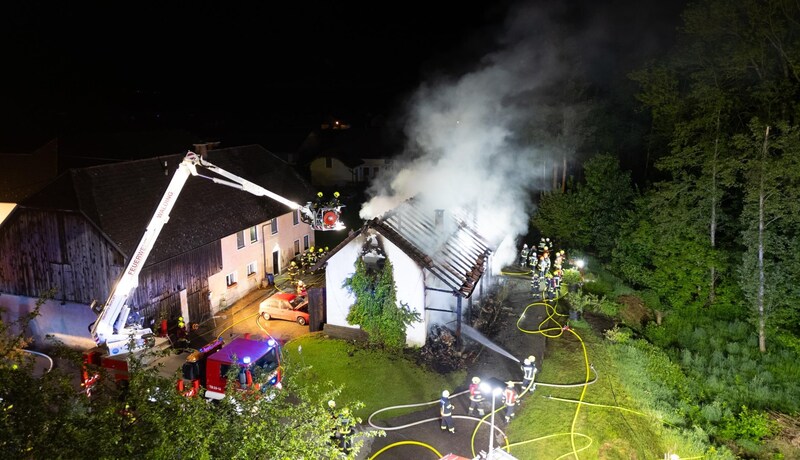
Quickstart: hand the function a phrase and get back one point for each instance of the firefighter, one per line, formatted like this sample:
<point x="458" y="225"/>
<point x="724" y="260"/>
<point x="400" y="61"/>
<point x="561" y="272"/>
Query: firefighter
<point x="532" y="258"/>
<point x="181" y="331"/>
<point x="528" y="373"/>
<point x="446" y="412"/>
<point x="475" y="396"/>
<point x="523" y="255"/>
<point x="300" y="288"/>
<point x="293" y="272"/>
<point x="334" y="203"/>
<point x="510" y="400"/>
<point x="544" y="263"/>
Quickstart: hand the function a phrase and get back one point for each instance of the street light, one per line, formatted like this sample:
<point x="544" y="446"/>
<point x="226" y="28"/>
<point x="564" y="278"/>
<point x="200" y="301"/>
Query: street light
<point x="495" y="391"/>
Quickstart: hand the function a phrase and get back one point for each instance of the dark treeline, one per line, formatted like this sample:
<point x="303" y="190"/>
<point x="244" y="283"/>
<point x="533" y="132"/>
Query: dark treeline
<point x="709" y="237"/>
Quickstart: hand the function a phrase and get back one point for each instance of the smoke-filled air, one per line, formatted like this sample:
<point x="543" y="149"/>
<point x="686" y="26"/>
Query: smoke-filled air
<point x="485" y="140"/>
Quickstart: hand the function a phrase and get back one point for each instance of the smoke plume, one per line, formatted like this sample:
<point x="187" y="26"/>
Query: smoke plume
<point x="487" y="139"/>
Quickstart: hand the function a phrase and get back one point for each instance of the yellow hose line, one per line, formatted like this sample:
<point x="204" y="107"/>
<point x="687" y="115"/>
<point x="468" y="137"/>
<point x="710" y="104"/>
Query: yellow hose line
<point x="596" y="405"/>
<point x="400" y="443"/>
<point x="542" y="438"/>
<point x="491" y="427"/>
<point x="237" y="322"/>
<point x="555" y="332"/>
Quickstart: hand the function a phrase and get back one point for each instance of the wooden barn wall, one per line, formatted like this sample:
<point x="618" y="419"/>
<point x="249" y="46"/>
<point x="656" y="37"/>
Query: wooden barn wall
<point x="40" y="250"/>
<point x="158" y="294"/>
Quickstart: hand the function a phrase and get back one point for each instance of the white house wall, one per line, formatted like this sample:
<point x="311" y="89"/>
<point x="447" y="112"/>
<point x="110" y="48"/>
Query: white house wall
<point x="410" y="283"/>
<point x="408" y="279"/>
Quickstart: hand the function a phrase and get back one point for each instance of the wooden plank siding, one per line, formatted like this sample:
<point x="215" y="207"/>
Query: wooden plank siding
<point x="40" y="250"/>
<point x="160" y="284"/>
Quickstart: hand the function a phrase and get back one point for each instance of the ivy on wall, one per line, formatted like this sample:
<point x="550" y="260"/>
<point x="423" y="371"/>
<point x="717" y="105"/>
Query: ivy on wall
<point x="376" y="308"/>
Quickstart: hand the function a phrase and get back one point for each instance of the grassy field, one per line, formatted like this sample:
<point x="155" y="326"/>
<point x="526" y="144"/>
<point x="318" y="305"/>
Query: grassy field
<point x="609" y="426"/>
<point x="612" y="427"/>
<point x="372" y="376"/>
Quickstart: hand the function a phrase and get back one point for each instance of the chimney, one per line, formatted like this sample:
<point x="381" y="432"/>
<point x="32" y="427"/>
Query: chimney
<point x="203" y="148"/>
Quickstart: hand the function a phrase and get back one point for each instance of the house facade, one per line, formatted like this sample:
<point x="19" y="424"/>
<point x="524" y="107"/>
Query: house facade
<point x="439" y="264"/>
<point x="75" y="236"/>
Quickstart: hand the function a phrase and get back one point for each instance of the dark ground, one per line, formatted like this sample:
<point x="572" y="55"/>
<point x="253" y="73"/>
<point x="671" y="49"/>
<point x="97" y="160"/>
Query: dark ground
<point x="489" y="364"/>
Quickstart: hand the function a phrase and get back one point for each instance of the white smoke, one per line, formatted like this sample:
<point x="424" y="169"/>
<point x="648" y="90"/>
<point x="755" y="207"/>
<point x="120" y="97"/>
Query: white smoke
<point x="484" y="140"/>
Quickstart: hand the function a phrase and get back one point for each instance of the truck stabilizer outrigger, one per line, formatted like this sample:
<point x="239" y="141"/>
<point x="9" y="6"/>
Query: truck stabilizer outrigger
<point x="111" y="327"/>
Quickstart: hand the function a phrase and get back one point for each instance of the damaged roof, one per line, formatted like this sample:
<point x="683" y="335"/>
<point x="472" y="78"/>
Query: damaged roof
<point x="120" y="198"/>
<point x="454" y="252"/>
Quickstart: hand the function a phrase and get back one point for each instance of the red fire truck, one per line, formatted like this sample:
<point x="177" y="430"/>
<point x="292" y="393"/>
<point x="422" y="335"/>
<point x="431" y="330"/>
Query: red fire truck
<point x="258" y="361"/>
<point x="117" y="337"/>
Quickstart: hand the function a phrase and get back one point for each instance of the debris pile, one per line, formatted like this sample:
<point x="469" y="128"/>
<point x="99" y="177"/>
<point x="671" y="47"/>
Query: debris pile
<point x="440" y="352"/>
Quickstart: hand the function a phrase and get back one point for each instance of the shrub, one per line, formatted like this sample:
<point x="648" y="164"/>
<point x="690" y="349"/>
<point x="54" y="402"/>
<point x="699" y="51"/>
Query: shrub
<point x="618" y="335"/>
<point x="747" y="425"/>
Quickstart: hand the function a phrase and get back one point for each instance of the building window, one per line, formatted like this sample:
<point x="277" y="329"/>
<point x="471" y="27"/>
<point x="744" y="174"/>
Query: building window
<point x="374" y="171"/>
<point x="328" y="162"/>
<point x="251" y="269"/>
<point x="240" y="239"/>
<point x="305" y="242"/>
<point x="253" y="234"/>
<point x="273" y="225"/>
<point x="230" y="279"/>
<point x="366" y="172"/>
<point x="296" y="247"/>
<point x="296" y="217"/>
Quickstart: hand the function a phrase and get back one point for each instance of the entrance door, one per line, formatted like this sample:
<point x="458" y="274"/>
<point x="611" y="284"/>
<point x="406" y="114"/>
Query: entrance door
<point x="275" y="266"/>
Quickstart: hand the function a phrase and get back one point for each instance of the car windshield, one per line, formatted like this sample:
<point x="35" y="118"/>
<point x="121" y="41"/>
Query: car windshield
<point x="297" y="301"/>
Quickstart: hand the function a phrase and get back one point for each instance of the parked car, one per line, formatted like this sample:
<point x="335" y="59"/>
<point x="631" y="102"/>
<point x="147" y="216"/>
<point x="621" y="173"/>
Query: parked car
<point x="285" y="305"/>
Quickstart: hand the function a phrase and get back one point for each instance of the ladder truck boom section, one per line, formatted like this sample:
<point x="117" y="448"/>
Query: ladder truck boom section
<point x="111" y="328"/>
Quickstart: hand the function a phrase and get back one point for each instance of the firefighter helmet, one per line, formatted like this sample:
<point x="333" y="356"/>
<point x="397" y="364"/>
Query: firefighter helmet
<point x="527" y="361"/>
<point x="294" y="263"/>
<point x="336" y="194"/>
<point x="476" y="380"/>
<point x="319" y="194"/>
<point x="331" y="404"/>
<point x="445" y="394"/>
<point x="532" y="358"/>
<point x="510" y="384"/>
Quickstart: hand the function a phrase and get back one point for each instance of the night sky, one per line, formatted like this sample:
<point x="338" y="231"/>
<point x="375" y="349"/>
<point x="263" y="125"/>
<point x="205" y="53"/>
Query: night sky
<point x="209" y="67"/>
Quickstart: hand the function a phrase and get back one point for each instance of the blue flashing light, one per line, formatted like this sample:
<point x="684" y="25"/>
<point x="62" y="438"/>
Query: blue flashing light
<point x="271" y="342"/>
<point x="246" y="360"/>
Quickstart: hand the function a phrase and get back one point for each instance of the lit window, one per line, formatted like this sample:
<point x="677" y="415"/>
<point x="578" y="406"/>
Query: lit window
<point x="230" y="279"/>
<point x="296" y="217"/>
<point x="305" y="242"/>
<point x="273" y="224"/>
<point x="251" y="269"/>
<point x="253" y="234"/>
<point x="296" y="247"/>
<point x="240" y="239"/>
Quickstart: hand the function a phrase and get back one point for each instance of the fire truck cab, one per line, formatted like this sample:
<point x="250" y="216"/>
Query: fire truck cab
<point x="258" y="363"/>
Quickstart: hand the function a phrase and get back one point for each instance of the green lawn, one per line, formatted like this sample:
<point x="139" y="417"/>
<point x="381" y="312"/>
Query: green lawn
<point x="372" y="376"/>
<point x="614" y="428"/>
